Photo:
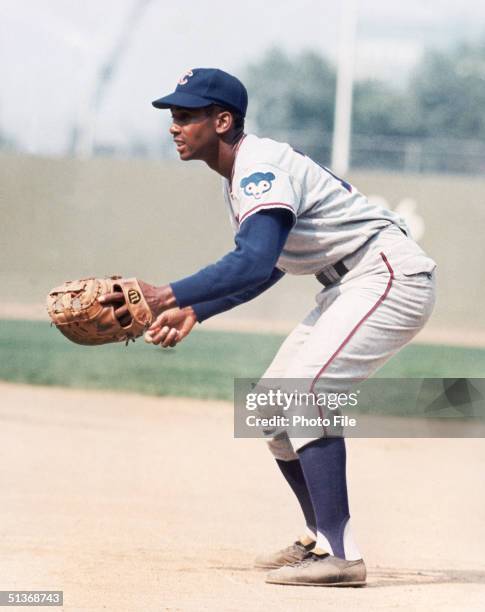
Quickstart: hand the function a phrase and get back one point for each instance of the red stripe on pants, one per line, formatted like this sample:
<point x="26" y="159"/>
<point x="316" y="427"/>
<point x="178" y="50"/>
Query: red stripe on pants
<point x="356" y="327"/>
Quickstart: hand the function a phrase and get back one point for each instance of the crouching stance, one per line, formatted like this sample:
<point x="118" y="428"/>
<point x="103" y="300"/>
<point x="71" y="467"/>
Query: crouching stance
<point x="376" y="291"/>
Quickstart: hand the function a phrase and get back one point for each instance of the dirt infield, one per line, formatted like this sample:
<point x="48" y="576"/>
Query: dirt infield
<point x="130" y="503"/>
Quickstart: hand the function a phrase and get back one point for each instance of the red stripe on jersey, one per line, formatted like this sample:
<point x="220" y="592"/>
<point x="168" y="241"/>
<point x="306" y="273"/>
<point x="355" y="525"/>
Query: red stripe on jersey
<point x="267" y="205"/>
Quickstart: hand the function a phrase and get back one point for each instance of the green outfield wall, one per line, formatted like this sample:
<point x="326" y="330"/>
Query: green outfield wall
<point x="66" y="218"/>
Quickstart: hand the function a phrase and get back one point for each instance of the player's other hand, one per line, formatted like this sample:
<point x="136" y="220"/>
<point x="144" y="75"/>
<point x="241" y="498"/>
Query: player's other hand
<point x="171" y="327"/>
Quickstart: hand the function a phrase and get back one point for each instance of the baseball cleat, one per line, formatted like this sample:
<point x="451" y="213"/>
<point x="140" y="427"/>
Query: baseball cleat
<point x="289" y="555"/>
<point x="321" y="570"/>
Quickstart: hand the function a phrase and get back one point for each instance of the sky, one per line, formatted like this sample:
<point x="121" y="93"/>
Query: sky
<point x="51" y="52"/>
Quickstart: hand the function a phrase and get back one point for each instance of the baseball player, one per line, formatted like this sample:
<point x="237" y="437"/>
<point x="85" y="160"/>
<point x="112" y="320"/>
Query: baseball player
<point x="292" y="216"/>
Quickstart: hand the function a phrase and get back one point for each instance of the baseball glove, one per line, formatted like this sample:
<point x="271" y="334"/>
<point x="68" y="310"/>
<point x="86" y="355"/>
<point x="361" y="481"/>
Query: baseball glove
<point x="76" y="312"/>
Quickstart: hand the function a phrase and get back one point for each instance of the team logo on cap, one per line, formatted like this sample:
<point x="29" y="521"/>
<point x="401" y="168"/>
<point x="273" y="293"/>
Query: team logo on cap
<point x="257" y="183"/>
<point x="185" y="77"/>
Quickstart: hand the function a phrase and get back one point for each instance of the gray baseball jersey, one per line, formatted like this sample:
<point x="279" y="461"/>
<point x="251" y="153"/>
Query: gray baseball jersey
<point x="331" y="218"/>
<point x="361" y="320"/>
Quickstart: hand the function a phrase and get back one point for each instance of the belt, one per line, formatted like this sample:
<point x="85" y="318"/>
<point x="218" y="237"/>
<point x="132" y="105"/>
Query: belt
<point x="332" y="274"/>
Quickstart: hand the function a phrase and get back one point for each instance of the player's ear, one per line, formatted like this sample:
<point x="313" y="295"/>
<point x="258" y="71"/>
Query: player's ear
<point x="224" y="122"/>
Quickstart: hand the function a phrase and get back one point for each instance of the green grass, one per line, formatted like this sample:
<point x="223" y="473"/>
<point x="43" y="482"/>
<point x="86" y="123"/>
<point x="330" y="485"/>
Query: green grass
<point x="203" y="366"/>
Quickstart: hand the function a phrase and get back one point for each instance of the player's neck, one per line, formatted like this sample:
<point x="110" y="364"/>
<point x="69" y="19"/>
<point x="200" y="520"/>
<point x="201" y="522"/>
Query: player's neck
<point x="223" y="161"/>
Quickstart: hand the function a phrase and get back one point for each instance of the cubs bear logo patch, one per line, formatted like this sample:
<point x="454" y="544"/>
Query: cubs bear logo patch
<point x="257" y="184"/>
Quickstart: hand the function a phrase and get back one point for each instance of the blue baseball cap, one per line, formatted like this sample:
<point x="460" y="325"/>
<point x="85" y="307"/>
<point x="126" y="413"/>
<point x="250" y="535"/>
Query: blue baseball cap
<point x="201" y="87"/>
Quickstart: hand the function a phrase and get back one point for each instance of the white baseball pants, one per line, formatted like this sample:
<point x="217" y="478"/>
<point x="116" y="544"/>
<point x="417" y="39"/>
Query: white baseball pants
<point x="359" y="322"/>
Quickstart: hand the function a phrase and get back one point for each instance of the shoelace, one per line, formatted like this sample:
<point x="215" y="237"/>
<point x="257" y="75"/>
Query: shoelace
<point x="311" y="558"/>
<point x="294" y="549"/>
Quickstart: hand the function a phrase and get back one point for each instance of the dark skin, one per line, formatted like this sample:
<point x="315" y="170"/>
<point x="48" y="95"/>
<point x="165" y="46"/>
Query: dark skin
<point x="207" y="134"/>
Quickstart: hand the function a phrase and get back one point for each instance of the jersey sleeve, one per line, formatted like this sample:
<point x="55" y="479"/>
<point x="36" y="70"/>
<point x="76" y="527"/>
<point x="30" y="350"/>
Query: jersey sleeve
<point x="205" y="310"/>
<point x="258" y="246"/>
<point x="265" y="187"/>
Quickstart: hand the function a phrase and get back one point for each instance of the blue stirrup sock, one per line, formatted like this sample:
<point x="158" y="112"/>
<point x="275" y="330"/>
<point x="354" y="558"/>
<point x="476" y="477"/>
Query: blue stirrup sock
<point x="293" y="474"/>
<point x="323" y="463"/>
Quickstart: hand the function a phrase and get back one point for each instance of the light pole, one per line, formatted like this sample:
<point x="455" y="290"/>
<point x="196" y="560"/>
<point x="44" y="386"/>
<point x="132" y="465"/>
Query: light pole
<point x="345" y="79"/>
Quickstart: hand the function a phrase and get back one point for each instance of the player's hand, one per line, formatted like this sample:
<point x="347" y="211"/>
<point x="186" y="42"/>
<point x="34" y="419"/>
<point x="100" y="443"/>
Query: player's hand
<point x="171" y="327"/>
<point x="158" y="299"/>
<point x="117" y="300"/>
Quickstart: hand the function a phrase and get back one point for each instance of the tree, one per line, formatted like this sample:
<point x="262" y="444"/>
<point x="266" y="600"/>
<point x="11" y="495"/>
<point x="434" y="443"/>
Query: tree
<point x="380" y="110"/>
<point x="449" y="92"/>
<point x="293" y="99"/>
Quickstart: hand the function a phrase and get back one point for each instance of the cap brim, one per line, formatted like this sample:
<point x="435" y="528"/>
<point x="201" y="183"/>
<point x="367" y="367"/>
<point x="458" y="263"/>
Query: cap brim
<point x="185" y="100"/>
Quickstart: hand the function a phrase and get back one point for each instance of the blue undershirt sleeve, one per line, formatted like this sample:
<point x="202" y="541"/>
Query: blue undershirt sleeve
<point x="205" y="310"/>
<point x="259" y="243"/>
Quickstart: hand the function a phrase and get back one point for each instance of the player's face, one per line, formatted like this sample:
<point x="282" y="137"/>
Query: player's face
<point x="194" y="133"/>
